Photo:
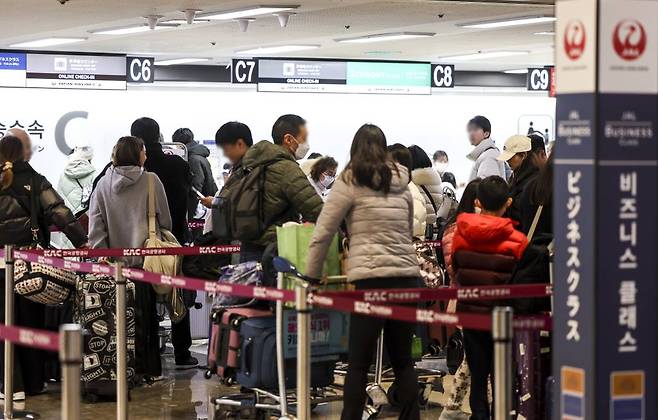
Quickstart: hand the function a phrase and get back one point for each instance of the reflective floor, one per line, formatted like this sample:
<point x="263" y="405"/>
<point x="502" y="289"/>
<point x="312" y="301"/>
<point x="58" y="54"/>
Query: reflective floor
<point x="183" y="396"/>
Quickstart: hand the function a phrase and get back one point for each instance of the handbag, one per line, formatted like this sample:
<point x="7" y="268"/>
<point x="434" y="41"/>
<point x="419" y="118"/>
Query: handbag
<point x="163" y="264"/>
<point x="430" y="270"/>
<point x="37" y="282"/>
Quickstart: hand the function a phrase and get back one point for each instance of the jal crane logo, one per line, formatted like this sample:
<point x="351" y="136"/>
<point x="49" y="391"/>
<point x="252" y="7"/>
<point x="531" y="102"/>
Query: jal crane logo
<point x="629" y="39"/>
<point x="575" y="39"/>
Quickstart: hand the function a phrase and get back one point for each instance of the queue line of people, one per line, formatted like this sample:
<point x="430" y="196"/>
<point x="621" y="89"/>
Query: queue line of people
<point x="388" y="196"/>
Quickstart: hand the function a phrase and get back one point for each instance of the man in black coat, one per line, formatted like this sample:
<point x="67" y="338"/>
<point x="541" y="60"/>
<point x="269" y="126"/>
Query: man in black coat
<point x="176" y="176"/>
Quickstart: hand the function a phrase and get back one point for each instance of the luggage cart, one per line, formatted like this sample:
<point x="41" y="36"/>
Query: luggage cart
<point x="259" y="403"/>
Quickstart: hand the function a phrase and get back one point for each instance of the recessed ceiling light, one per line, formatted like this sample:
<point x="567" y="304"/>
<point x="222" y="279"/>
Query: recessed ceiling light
<point x="127" y="30"/>
<point x="516" y="71"/>
<point x="546" y="33"/>
<point x="248" y="12"/>
<point x="484" y="55"/>
<point x="502" y="23"/>
<point x="386" y="37"/>
<point x="47" y="42"/>
<point x="278" y="49"/>
<point x="180" y="61"/>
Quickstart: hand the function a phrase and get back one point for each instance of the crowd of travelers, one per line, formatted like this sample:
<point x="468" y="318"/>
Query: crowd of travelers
<point x="386" y="200"/>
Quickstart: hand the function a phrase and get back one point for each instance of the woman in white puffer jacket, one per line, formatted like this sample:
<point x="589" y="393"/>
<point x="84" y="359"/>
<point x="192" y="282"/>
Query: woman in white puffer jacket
<point x="428" y="182"/>
<point x="76" y="180"/>
<point x="400" y="154"/>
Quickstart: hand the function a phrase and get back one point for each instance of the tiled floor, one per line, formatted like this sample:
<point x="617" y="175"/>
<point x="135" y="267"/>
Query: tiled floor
<point x="182" y="396"/>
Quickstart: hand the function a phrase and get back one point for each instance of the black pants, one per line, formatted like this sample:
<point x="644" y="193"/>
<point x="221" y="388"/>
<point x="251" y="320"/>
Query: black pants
<point x="478" y="346"/>
<point x="364" y="332"/>
<point x="147" y="341"/>
<point x="29" y="363"/>
<point x="181" y="338"/>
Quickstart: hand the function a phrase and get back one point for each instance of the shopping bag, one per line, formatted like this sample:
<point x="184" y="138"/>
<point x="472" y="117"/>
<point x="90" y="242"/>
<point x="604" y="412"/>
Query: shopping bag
<point x="293" y="241"/>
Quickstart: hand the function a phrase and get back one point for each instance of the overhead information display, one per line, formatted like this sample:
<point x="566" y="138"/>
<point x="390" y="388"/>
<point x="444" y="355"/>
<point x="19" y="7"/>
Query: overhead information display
<point x="107" y="72"/>
<point x="12" y="69"/>
<point x="333" y="76"/>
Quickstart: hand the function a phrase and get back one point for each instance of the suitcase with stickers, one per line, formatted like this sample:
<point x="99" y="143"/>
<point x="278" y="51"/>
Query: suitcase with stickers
<point x="96" y="313"/>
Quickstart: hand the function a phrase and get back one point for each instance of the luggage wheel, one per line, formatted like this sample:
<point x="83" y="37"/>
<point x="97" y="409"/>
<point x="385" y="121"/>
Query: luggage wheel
<point x="90" y="398"/>
<point x="208" y="374"/>
<point x="377" y="395"/>
<point x="370" y="412"/>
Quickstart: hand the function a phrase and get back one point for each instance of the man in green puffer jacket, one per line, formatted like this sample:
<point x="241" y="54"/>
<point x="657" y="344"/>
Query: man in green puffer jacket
<point x="288" y="194"/>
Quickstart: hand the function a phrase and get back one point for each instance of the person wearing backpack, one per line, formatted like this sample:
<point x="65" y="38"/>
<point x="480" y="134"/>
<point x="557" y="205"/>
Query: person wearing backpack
<point x="272" y="189"/>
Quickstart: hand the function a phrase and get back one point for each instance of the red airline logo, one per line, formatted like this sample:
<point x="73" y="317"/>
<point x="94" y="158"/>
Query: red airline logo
<point x="629" y="39"/>
<point x="574" y="39"/>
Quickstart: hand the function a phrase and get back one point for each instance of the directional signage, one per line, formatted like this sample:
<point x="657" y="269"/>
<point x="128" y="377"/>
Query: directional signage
<point x="140" y="69"/>
<point x="334" y="76"/>
<point x="244" y="71"/>
<point x="12" y="69"/>
<point x="64" y="71"/>
<point x="443" y="76"/>
<point x="540" y="79"/>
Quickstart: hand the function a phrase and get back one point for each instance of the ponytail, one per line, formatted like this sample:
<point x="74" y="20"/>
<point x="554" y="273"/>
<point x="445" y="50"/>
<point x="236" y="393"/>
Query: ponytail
<point x="7" y="175"/>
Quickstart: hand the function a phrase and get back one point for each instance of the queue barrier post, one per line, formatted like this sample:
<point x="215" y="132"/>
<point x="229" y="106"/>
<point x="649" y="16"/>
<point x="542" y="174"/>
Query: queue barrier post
<point x="122" y="344"/>
<point x="8" y="411"/>
<point x="280" y="359"/>
<point x="303" y="352"/>
<point x="502" y="332"/>
<point x="70" y="357"/>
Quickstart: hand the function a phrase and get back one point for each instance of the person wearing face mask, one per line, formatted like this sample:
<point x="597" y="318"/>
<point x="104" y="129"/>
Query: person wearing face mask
<point x="290" y="196"/>
<point x="484" y="152"/>
<point x="323" y="175"/>
<point x="518" y="155"/>
<point x="441" y="164"/>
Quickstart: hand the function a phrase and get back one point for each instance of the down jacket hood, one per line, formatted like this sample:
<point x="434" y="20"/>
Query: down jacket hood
<point x="195" y="148"/>
<point x="265" y="152"/>
<point x="78" y="168"/>
<point x="122" y="177"/>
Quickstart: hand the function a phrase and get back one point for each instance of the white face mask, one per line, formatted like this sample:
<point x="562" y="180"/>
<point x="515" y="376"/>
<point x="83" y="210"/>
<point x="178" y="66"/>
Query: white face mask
<point x="302" y="150"/>
<point x="327" y="181"/>
<point x="441" y="167"/>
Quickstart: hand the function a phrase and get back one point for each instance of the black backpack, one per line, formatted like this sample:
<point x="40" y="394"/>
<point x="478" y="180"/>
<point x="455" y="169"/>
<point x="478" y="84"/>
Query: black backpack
<point x="239" y="210"/>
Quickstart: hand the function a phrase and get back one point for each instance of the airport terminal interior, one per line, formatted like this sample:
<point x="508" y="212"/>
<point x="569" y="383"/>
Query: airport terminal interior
<point x="329" y="209"/>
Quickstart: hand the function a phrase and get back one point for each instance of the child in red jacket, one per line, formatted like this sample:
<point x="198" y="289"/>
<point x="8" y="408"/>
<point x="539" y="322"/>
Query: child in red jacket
<point x="485" y="250"/>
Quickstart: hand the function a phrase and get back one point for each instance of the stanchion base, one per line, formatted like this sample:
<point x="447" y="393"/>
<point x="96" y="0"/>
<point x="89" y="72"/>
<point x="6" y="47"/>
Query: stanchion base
<point x="19" y="414"/>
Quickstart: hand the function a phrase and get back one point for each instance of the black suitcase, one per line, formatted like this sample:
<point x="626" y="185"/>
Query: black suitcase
<point x="96" y="313"/>
<point x="257" y="360"/>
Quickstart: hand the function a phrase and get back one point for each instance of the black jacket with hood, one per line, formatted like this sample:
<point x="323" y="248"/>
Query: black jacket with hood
<point x="15" y="205"/>
<point x="202" y="177"/>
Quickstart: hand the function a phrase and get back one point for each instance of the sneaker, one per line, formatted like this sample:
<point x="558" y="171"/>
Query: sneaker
<point x="188" y="363"/>
<point x="18" y="396"/>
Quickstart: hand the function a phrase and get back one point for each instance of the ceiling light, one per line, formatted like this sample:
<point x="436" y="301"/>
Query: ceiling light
<point x="183" y="21"/>
<point x="516" y="71"/>
<point x="387" y="37"/>
<point x="278" y="49"/>
<point x="248" y="12"/>
<point x="47" y="42"/>
<point x="527" y="20"/>
<point x="484" y="55"/>
<point x="546" y="33"/>
<point x="127" y="30"/>
<point x="180" y="61"/>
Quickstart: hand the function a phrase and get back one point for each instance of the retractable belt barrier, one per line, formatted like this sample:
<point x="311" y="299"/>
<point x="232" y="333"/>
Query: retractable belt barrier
<point x="30" y="337"/>
<point x="143" y="252"/>
<point x="359" y="302"/>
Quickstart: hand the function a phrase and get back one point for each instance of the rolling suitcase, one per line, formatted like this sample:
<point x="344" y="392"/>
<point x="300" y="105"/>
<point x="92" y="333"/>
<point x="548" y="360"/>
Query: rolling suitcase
<point x="258" y="366"/>
<point x="96" y="312"/>
<point x="533" y="368"/>
<point x="224" y="344"/>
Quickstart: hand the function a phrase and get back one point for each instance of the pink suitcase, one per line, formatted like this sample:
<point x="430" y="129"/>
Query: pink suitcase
<point x="225" y="343"/>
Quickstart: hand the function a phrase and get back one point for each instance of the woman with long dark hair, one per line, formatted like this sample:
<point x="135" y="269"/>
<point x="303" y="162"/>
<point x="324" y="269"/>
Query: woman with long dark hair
<point x="539" y="192"/>
<point x="373" y="197"/>
<point x="20" y="186"/>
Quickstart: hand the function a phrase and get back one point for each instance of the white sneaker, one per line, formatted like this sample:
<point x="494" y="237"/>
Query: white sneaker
<point x="18" y="396"/>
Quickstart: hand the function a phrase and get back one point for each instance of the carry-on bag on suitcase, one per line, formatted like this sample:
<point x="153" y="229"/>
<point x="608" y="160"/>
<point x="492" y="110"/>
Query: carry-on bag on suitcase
<point x="96" y="312"/>
<point x="224" y="345"/>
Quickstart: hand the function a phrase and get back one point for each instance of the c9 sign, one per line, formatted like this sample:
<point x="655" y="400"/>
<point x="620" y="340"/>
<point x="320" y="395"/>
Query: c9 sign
<point x="539" y="79"/>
